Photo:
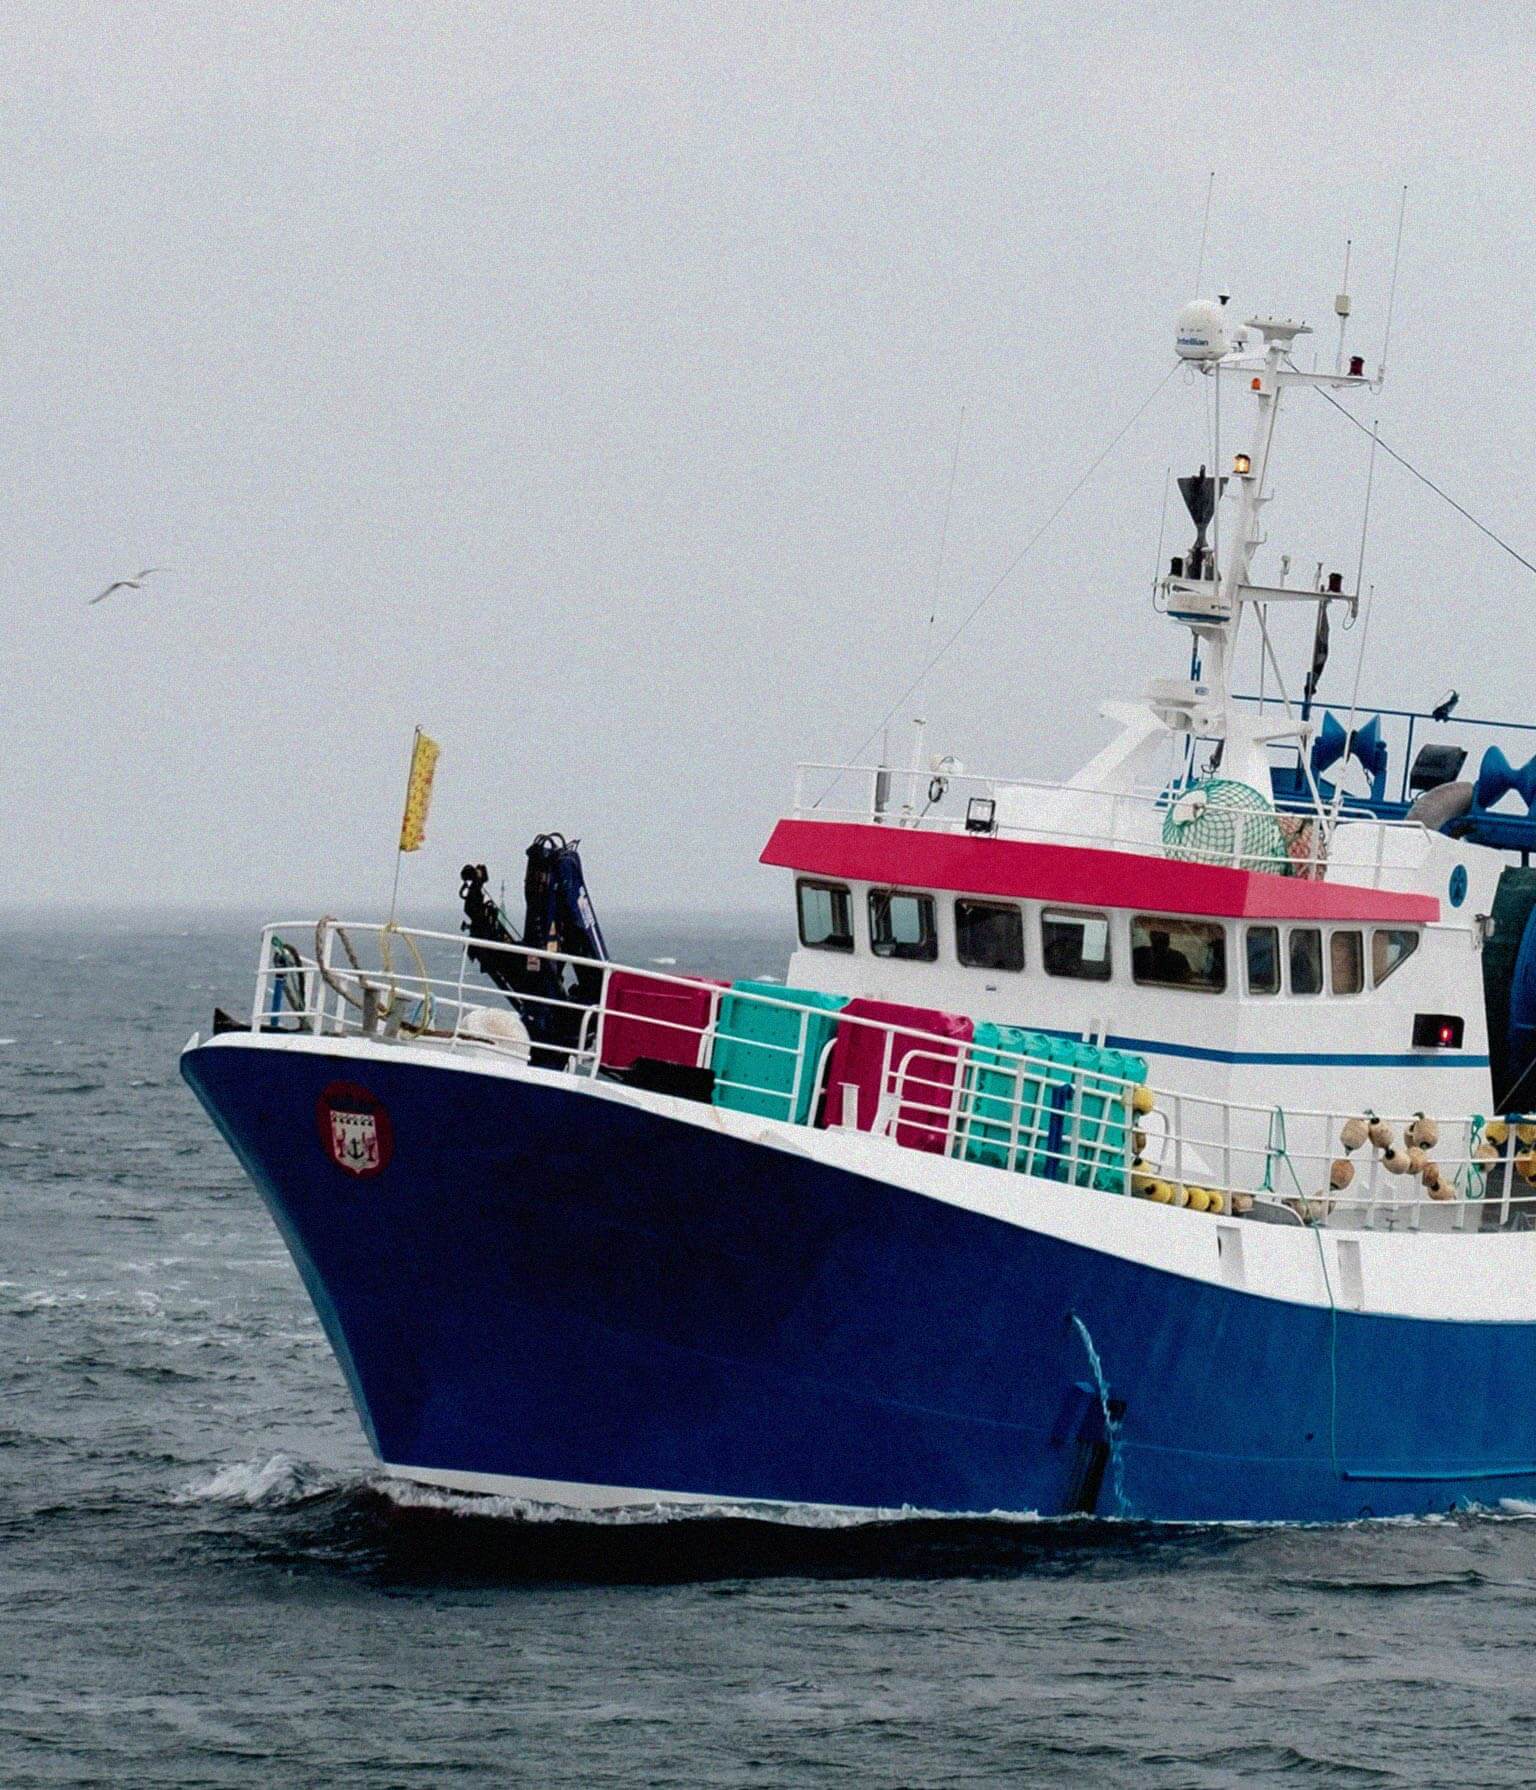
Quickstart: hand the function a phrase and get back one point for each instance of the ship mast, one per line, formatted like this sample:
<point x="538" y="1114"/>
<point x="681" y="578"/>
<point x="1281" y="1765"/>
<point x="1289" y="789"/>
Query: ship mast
<point x="1210" y="598"/>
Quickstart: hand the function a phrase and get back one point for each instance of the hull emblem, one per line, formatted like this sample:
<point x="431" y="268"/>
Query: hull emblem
<point x="354" y="1129"/>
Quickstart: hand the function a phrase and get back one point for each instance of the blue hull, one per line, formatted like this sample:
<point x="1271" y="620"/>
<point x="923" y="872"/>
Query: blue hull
<point x="546" y="1285"/>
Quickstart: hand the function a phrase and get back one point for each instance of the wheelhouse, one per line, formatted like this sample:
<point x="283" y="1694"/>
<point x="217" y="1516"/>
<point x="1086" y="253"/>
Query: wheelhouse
<point x="1250" y="981"/>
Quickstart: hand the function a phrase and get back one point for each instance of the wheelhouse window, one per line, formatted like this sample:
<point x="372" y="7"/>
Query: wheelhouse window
<point x="1391" y="947"/>
<point x="1073" y="944"/>
<point x="1263" y="959"/>
<point x="1306" y="960"/>
<point x="826" y="916"/>
<point x="1346" y="962"/>
<point x="902" y="925"/>
<point x="1168" y="952"/>
<point x="989" y="936"/>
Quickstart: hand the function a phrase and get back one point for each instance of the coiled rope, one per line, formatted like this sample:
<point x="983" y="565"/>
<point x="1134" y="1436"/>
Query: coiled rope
<point x="389" y="990"/>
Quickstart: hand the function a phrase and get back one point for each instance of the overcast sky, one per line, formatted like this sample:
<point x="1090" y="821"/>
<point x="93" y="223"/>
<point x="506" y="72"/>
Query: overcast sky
<point x="582" y="383"/>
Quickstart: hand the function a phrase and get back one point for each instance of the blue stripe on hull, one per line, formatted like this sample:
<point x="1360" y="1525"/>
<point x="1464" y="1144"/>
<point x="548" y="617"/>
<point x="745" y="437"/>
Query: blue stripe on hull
<point x="548" y="1285"/>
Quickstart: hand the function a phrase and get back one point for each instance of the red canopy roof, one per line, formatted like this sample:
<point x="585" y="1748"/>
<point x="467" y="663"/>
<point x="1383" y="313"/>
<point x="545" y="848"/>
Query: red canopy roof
<point x="1081" y="876"/>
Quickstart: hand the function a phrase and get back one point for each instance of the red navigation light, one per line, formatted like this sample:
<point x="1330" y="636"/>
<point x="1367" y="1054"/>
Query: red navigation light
<point x="1438" y="1031"/>
<point x="1357" y="366"/>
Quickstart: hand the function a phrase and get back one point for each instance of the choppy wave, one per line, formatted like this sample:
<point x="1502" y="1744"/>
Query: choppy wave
<point x="165" y="1462"/>
<point x="277" y="1482"/>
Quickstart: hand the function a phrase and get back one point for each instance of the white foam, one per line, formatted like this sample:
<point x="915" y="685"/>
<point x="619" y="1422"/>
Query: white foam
<point x="410" y="1495"/>
<point x="42" y="1299"/>
<point x="279" y="1479"/>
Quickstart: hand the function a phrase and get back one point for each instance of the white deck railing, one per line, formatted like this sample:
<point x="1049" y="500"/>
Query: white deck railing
<point x="1121" y="820"/>
<point x="1061" y="1121"/>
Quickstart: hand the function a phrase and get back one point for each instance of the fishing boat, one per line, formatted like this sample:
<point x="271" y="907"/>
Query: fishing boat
<point x="1153" y="1144"/>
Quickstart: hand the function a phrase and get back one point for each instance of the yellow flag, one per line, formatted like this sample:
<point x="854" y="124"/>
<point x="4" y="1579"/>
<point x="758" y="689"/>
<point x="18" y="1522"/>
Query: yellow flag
<point x="418" y="793"/>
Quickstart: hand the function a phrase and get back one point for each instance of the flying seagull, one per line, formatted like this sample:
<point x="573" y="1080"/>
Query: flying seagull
<point x="128" y="583"/>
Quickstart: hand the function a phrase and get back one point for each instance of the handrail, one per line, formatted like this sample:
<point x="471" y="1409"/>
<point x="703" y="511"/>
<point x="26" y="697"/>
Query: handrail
<point x="923" y="816"/>
<point x="1187" y="1140"/>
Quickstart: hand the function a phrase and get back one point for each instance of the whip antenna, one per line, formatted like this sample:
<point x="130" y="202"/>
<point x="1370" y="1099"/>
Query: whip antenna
<point x="1341" y="308"/>
<point x="1397" y="255"/>
<point x="1205" y="224"/>
<point x="949" y="504"/>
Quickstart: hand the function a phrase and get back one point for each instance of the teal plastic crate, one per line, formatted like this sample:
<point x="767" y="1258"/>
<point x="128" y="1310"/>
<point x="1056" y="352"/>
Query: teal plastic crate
<point x="1072" y="1114"/>
<point x="759" y="1061"/>
<point x="998" y="1078"/>
<point x="1102" y="1115"/>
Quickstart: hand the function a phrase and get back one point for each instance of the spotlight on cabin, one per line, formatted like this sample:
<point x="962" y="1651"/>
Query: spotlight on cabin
<point x="981" y="815"/>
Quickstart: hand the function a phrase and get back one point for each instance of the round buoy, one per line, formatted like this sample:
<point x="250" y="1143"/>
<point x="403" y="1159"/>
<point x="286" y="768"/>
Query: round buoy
<point x="1381" y="1134"/>
<point x="1423" y="1132"/>
<point x="1141" y="1099"/>
<point x="1395" y="1161"/>
<point x="1242" y="1204"/>
<point x="1218" y="1200"/>
<point x="1435" y="1185"/>
<point x="1497" y="1133"/>
<point x="1160" y="1193"/>
<point x="1199" y="1200"/>
<point x="1342" y="1173"/>
<point x="1416" y="1160"/>
<point x="1354" y="1133"/>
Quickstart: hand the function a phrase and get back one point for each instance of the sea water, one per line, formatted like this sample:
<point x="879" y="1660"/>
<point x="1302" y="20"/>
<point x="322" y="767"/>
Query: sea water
<point x="203" y="1582"/>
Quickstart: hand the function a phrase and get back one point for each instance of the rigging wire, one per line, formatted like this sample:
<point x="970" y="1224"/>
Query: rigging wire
<point x="1425" y="479"/>
<point x="1007" y="572"/>
<point x="1162" y="529"/>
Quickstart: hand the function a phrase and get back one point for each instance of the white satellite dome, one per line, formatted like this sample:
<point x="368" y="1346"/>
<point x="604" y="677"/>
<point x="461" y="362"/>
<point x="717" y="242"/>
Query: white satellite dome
<point x="1202" y="331"/>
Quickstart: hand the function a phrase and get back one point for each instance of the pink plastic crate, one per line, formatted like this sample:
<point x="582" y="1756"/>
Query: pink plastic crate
<point x="859" y="1057"/>
<point x="639" y="1009"/>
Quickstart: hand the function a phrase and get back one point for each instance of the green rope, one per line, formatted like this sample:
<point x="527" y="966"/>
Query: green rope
<point x="1275" y="1151"/>
<point x="1471" y="1181"/>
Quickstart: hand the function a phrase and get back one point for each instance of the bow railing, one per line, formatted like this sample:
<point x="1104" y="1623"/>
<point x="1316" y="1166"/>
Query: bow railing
<point x="987" y="1106"/>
